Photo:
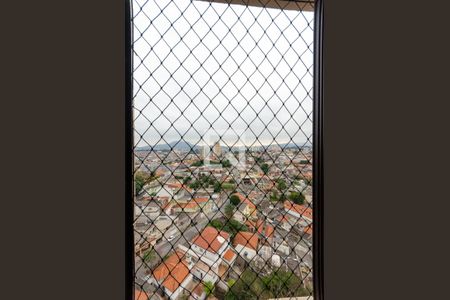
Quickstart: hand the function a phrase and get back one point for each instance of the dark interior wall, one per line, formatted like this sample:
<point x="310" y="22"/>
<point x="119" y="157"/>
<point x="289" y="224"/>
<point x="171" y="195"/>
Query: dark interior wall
<point x="385" y="150"/>
<point x="62" y="150"/>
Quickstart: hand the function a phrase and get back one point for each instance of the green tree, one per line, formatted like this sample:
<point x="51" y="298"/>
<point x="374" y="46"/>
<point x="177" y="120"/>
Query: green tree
<point x="141" y="179"/>
<point x="197" y="163"/>
<point x="228" y="186"/>
<point x="252" y="285"/>
<point x="265" y="168"/>
<point x="217" y="187"/>
<point x="281" y="184"/>
<point x="248" y="286"/>
<point x="297" y="197"/>
<point x="231" y="282"/>
<point x="284" y="284"/>
<point x="216" y="223"/>
<point x="209" y="288"/>
<point x="234" y="199"/>
<point x="229" y="210"/>
<point x="212" y="180"/>
<point x="195" y="185"/>
<point x="274" y="196"/>
<point x="149" y="255"/>
<point x="226" y="163"/>
<point x="231" y="226"/>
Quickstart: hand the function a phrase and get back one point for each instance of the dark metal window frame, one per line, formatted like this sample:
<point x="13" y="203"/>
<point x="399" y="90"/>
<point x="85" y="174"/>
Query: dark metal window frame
<point x="318" y="165"/>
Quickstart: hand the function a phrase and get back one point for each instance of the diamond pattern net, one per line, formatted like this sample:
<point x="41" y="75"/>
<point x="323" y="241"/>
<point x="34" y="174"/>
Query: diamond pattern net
<point x="222" y="111"/>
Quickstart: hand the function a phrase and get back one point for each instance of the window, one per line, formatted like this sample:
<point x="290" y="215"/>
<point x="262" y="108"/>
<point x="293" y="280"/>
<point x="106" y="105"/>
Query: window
<point x="225" y="122"/>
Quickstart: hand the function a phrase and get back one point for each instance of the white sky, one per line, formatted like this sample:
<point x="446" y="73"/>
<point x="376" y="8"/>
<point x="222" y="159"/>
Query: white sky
<point x="207" y="78"/>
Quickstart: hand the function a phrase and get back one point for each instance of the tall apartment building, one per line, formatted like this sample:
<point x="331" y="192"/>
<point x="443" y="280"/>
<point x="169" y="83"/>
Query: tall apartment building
<point x="217" y="149"/>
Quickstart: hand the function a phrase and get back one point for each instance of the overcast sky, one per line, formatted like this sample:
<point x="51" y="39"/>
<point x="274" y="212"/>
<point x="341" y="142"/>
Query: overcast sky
<point x="213" y="75"/>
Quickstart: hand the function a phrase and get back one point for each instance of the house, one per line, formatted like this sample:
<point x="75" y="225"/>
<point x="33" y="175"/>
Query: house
<point x="249" y="223"/>
<point x="265" y="252"/>
<point x="152" y="188"/>
<point x="246" y="210"/>
<point x="140" y="295"/>
<point x="299" y="211"/>
<point x="260" y="227"/>
<point x="140" y="244"/>
<point x="146" y="212"/>
<point x="198" y="292"/>
<point x="308" y="232"/>
<point x="281" y="246"/>
<point x="229" y="257"/>
<point x="192" y="206"/>
<point x="246" y="244"/>
<point x="286" y="222"/>
<point x="173" y="275"/>
<point x="213" y="256"/>
<point x="268" y="234"/>
<point x="244" y="213"/>
<point x="211" y="243"/>
<point x="162" y="223"/>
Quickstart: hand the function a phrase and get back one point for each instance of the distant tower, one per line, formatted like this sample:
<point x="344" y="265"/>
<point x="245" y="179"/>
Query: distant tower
<point x="202" y="152"/>
<point x="217" y="149"/>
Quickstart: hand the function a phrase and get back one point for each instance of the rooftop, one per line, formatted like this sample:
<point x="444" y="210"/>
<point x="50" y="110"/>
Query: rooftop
<point x="302" y="210"/>
<point x="140" y="295"/>
<point x="246" y="239"/>
<point x="229" y="255"/>
<point x="211" y="239"/>
<point x="172" y="271"/>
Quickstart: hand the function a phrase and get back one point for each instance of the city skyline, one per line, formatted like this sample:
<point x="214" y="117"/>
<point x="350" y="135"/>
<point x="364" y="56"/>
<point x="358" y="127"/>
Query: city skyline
<point x="223" y="75"/>
<point x="183" y="141"/>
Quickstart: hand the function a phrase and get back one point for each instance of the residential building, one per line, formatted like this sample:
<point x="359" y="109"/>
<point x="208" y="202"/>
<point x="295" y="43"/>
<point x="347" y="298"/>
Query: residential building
<point x="140" y="295"/>
<point x="217" y="149"/>
<point x="246" y="244"/>
<point x="173" y="275"/>
<point x="299" y="211"/>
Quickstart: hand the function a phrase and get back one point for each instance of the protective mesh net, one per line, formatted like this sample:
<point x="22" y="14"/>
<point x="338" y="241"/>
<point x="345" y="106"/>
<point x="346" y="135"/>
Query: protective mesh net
<point x="222" y="104"/>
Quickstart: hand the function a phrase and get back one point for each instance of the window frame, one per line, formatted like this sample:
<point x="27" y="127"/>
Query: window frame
<point x="318" y="164"/>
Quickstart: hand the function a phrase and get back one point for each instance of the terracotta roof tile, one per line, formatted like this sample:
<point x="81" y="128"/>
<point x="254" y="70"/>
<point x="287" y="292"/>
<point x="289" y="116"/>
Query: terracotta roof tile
<point x="260" y="226"/>
<point x="229" y="255"/>
<point x="269" y="231"/>
<point x="246" y="239"/>
<point x="211" y="239"/>
<point x="308" y="230"/>
<point x="201" y="199"/>
<point x="140" y="295"/>
<point x="302" y="210"/>
<point x="172" y="272"/>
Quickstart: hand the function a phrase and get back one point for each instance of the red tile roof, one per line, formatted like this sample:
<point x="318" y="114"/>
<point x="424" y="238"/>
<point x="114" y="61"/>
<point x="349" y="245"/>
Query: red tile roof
<point x="246" y="239"/>
<point x="300" y="209"/>
<point x="211" y="239"/>
<point x="172" y="272"/>
<point x="308" y="230"/>
<point x="260" y="226"/>
<point x="190" y="204"/>
<point x="140" y="295"/>
<point x="229" y="255"/>
<point x="249" y="203"/>
<point x="250" y="224"/>
<point x="201" y="199"/>
<point x="199" y="290"/>
<point x="283" y="218"/>
<point x="269" y="231"/>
